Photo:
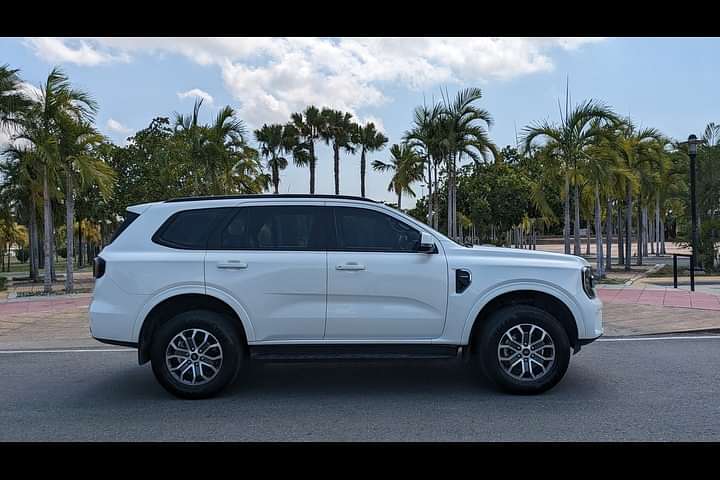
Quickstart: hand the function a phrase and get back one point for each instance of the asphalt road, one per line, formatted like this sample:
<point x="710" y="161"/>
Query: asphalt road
<point x="648" y="390"/>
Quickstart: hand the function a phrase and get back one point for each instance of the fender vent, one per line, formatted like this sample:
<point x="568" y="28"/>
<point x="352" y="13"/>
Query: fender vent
<point x="463" y="279"/>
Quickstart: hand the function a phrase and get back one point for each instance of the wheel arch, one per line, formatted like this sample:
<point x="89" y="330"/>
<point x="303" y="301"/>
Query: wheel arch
<point x="549" y="301"/>
<point x="169" y="306"/>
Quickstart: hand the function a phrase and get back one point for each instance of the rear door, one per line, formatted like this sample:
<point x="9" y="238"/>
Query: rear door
<point x="271" y="257"/>
<point x="379" y="286"/>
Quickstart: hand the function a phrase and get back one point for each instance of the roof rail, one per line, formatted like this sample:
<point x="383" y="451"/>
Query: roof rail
<point x="282" y="195"/>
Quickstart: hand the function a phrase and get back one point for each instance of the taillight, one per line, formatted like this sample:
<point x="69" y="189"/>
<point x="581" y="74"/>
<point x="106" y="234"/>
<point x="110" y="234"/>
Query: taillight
<point x="98" y="267"/>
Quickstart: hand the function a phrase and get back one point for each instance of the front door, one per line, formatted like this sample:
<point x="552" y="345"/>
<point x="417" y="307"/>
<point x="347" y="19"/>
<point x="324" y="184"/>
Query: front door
<point x="272" y="259"/>
<point x="379" y="286"/>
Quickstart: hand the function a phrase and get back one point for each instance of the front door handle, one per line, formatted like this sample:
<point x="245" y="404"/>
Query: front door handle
<point x="232" y="264"/>
<point x="350" y="266"/>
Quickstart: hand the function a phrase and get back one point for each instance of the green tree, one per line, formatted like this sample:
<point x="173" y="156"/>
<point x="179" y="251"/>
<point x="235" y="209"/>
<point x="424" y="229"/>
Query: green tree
<point x="58" y="102"/>
<point x="406" y="167"/>
<point x="275" y="141"/>
<point x="577" y="130"/>
<point x="368" y="139"/>
<point x="337" y="130"/>
<point x="309" y="125"/>
<point x="463" y="133"/>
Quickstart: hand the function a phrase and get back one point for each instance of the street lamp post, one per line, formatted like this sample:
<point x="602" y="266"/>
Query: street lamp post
<point x="692" y="144"/>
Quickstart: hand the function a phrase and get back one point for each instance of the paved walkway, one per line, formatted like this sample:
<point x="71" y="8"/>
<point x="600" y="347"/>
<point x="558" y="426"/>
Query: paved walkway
<point x="666" y="297"/>
<point x="62" y="321"/>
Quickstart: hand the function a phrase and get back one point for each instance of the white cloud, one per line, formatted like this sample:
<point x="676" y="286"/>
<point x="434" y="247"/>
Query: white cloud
<point x="196" y="93"/>
<point x="117" y="127"/>
<point x="79" y="52"/>
<point x="273" y="77"/>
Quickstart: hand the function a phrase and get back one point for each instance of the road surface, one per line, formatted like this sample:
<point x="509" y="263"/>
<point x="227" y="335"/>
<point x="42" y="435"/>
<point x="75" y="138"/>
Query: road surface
<point x="627" y="389"/>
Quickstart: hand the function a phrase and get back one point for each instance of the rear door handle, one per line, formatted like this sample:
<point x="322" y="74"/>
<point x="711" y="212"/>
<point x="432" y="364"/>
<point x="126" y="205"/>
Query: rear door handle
<point x="232" y="265"/>
<point x="350" y="266"/>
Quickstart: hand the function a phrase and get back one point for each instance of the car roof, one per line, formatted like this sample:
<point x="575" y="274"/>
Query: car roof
<point x="282" y="196"/>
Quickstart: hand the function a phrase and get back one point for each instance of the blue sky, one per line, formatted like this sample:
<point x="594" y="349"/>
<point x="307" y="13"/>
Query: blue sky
<point x="667" y="83"/>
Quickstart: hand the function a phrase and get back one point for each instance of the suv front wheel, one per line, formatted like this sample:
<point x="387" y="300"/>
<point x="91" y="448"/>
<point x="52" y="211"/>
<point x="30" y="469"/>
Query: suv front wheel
<point x="196" y="354"/>
<point x="523" y="349"/>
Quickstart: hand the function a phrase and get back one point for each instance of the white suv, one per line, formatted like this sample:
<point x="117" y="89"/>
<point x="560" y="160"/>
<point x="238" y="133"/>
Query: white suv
<point x="202" y="286"/>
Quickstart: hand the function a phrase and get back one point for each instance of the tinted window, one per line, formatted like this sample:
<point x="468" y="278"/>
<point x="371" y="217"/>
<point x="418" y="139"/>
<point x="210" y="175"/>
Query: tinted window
<point x="283" y="227"/>
<point x="368" y="230"/>
<point x="129" y="218"/>
<point x="189" y="229"/>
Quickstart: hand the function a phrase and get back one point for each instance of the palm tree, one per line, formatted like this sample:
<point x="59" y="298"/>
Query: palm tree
<point x="369" y="140"/>
<point x="42" y="127"/>
<point x="189" y="126"/>
<point x="463" y="133"/>
<point x="21" y="172"/>
<point x="82" y="167"/>
<point x="578" y="129"/>
<point x="337" y="128"/>
<point x="425" y="137"/>
<point x="12" y="102"/>
<point x="309" y="125"/>
<point x="407" y="168"/>
<point x="635" y="148"/>
<point x="275" y="140"/>
<point x="224" y="136"/>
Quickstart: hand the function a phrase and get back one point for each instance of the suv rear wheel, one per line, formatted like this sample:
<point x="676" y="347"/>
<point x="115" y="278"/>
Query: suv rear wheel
<point x="196" y="354"/>
<point x="523" y="349"/>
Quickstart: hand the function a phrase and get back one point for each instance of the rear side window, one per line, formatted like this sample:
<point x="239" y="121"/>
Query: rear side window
<point x="364" y="230"/>
<point x="285" y="227"/>
<point x="129" y="218"/>
<point x="189" y="229"/>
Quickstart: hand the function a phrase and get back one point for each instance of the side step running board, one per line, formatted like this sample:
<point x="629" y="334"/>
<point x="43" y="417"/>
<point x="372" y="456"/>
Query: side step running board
<point x="312" y="353"/>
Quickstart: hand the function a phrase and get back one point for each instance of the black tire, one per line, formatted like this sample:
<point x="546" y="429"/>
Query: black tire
<point x="488" y="341"/>
<point x="220" y="326"/>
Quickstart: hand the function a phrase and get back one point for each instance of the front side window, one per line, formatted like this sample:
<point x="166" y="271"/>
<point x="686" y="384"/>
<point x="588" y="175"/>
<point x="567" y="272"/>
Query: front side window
<point x="360" y="229"/>
<point x="189" y="229"/>
<point x="282" y="227"/>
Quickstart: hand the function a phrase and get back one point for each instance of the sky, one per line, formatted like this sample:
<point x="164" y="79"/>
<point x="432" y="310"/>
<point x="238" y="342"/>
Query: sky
<point x="666" y="83"/>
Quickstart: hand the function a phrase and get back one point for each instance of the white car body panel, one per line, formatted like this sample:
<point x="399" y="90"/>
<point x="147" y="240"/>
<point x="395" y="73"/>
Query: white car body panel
<point x="300" y="297"/>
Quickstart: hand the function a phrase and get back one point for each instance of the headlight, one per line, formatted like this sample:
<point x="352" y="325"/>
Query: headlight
<point x="588" y="281"/>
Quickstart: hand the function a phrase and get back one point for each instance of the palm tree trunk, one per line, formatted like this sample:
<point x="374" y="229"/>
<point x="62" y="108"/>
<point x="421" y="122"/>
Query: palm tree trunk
<point x="566" y="215"/>
<point x="47" y="217"/>
<point x="437" y="199"/>
<point x="657" y="225"/>
<point x="336" y="155"/>
<point x="69" y="233"/>
<point x="620" y="237"/>
<point x="362" y="173"/>
<point x="33" y="240"/>
<point x="576" y="229"/>
<point x="662" y="236"/>
<point x="430" y="192"/>
<point x="598" y="234"/>
<point x="400" y="200"/>
<point x="645" y="230"/>
<point x="639" y="235"/>
<point x="587" y="236"/>
<point x="80" y="244"/>
<point x="628" y="226"/>
<point x="608" y="236"/>
<point x="276" y="178"/>
<point x="312" y="168"/>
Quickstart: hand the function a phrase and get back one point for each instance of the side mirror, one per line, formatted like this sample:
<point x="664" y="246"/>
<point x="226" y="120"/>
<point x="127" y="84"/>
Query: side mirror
<point x="427" y="243"/>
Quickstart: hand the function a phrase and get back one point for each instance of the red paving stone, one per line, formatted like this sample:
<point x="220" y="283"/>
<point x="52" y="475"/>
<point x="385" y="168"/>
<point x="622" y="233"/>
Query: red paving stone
<point x="31" y="306"/>
<point x="667" y="297"/>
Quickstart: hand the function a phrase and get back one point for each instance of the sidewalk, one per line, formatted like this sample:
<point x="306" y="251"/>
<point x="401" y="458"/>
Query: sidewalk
<point x="62" y="322"/>
<point x="659" y="296"/>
